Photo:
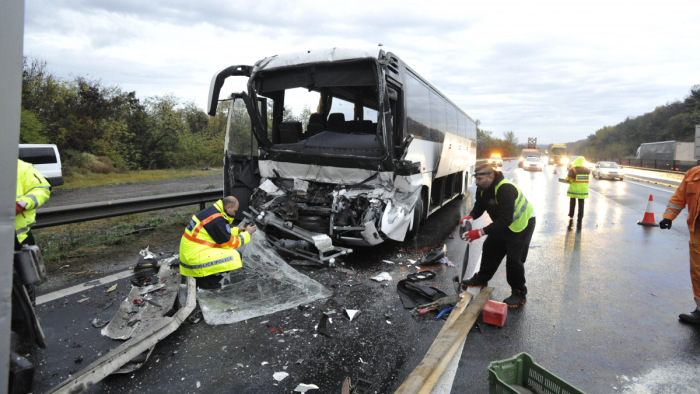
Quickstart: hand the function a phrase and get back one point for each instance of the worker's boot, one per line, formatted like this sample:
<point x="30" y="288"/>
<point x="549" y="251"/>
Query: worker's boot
<point x="474" y="281"/>
<point x="516" y="299"/>
<point x="691" y="317"/>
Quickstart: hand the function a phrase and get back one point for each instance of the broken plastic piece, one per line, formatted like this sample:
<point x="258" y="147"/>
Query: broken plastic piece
<point x="112" y="288"/>
<point x="303" y="387"/>
<point x="351" y="313"/>
<point x="382" y="277"/>
<point x="279" y="376"/>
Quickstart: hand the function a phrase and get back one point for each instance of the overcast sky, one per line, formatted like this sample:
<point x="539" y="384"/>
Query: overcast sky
<point x="555" y="70"/>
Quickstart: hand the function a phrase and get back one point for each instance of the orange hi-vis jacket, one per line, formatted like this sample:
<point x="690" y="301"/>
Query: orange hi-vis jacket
<point x="688" y="194"/>
<point x="209" y="243"/>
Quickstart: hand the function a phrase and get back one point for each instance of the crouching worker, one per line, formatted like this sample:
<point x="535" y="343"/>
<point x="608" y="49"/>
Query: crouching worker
<point x="208" y="246"/>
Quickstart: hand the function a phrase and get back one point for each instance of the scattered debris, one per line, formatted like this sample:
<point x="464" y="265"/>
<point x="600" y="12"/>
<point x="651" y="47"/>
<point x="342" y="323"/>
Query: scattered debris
<point x="280" y="376"/>
<point x="351" y="313"/>
<point x="98" y="323"/>
<point x="422" y="275"/>
<point x="303" y="387"/>
<point x="323" y="326"/>
<point x="381" y="277"/>
<point x="83" y="300"/>
<point x="111" y="289"/>
<point x="388" y="262"/>
<point x="433" y="256"/>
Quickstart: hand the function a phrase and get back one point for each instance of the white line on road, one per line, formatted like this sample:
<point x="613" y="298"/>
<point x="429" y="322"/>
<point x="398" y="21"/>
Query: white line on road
<point x="646" y="184"/>
<point x="83" y="286"/>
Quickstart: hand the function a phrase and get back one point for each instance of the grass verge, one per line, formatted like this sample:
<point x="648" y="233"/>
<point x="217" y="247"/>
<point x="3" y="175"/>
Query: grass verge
<point x="78" y="181"/>
<point x="79" y="246"/>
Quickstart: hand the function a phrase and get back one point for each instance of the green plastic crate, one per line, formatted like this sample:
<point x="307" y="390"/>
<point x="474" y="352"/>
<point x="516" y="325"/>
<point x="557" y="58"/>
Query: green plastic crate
<point x="523" y="371"/>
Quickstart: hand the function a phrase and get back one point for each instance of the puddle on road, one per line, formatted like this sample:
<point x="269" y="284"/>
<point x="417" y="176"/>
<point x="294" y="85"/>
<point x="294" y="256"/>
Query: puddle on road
<point x="265" y="284"/>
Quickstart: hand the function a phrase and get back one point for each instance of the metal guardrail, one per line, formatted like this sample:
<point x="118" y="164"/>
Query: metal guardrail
<point x="67" y="214"/>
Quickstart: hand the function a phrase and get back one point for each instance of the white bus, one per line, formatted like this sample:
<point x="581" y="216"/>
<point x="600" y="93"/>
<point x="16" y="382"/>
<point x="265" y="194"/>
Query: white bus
<point x="382" y="150"/>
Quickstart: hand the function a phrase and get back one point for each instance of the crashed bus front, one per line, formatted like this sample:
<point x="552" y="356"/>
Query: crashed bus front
<point x="347" y="172"/>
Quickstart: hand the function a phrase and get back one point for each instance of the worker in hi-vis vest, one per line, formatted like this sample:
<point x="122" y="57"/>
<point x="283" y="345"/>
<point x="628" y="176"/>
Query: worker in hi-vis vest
<point x="508" y="235"/>
<point x="577" y="178"/>
<point x="32" y="191"/>
<point x="208" y="246"/>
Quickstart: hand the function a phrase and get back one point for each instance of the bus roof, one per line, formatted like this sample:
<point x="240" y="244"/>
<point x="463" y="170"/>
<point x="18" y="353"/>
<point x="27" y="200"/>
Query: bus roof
<point x="313" y="56"/>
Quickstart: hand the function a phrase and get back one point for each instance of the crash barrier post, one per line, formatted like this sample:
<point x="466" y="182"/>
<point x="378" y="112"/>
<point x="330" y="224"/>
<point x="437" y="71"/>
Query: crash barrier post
<point x="453" y="333"/>
<point x="648" y="219"/>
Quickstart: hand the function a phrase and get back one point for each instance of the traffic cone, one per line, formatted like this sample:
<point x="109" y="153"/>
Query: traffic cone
<point x="555" y="170"/>
<point x="648" y="219"/>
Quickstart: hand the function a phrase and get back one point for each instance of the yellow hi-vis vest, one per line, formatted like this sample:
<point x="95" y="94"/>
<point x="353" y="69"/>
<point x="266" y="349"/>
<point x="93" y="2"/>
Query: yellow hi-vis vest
<point x="578" y="187"/>
<point x="523" y="209"/>
<point x="32" y="189"/>
<point x="200" y="255"/>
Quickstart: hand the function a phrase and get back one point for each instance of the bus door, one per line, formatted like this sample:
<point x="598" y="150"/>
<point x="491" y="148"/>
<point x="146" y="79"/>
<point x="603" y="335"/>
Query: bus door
<point x="241" y="172"/>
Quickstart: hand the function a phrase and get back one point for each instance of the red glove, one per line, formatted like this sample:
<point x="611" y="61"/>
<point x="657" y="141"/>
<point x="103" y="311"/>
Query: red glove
<point x="19" y="207"/>
<point x="473" y="235"/>
<point x="464" y="220"/>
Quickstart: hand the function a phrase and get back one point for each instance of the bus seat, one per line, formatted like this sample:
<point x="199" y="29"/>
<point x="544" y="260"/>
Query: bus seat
<point x="290" y="131"/>
<point x="336" y="122"/>
<point x="316" y="124"/>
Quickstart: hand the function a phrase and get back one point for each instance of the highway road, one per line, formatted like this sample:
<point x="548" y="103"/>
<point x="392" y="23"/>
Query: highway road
<point x="601" y="314"/>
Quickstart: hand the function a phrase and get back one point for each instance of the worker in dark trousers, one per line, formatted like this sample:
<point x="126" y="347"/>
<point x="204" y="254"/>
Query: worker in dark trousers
<point x="509" y="234"/>
<point x="577" y="178"/>
<point x="687" y="195"/>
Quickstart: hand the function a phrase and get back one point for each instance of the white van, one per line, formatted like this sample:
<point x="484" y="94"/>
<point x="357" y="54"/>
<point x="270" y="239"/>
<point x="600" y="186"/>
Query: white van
<point x="46" y="159"/>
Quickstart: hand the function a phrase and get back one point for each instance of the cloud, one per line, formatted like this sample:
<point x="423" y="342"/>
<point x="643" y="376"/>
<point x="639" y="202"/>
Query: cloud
<point x="553" y="70"/>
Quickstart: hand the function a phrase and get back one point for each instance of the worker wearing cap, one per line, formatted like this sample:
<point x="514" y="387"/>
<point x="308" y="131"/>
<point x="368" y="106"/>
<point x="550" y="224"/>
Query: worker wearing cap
<point x="687" y="194"/>
<point x="509" y="234"/>
<point x="577" y="178"/>
<point x="32" y="191"/>
<point x="208" y="246"/>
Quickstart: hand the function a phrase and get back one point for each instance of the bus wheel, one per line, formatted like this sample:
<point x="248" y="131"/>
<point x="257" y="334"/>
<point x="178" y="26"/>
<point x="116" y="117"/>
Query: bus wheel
<point x="417" y="216"/>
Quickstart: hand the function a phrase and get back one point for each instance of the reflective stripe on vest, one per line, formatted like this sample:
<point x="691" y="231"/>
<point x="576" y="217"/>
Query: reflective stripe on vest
<point x="522" y="210"/>
<point x="233" y="243"/>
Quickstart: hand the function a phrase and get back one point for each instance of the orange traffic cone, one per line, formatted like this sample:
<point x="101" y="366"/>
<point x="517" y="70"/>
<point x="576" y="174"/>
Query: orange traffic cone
<point x="555" y="170"/>
<point x="648" y="219"/>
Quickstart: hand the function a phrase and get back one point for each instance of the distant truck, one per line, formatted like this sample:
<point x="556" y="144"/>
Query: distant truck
<point x="528" y="152"/>
<point x="558" y="155"/>
<point x="667" y="150"/>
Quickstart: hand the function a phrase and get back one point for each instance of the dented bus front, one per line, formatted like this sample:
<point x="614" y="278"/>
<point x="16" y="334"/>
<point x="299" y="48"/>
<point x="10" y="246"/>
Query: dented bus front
<point x="339" y="177"/>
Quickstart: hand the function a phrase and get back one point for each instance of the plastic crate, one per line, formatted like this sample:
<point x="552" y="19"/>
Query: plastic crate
<point x="522" y="370"/>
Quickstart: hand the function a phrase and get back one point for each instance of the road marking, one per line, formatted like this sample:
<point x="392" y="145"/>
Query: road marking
<point x="646" y="184"/>
<point x="83" y="286"/>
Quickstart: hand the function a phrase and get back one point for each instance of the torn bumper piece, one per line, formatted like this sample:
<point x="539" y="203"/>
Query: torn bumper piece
<point x="140" y="342"/>
<point x="327" y="252"/>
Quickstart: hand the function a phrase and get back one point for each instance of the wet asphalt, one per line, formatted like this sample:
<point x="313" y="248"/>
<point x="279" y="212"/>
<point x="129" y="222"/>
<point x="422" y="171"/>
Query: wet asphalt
<point x="602" y="312"/>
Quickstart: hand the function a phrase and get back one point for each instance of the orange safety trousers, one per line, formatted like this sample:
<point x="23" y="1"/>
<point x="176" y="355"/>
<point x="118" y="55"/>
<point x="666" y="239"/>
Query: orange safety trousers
<point x="694" y="247"/>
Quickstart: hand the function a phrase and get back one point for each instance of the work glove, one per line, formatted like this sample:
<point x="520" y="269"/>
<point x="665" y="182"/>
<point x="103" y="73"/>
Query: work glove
<point x="19" y="207"/>
<point x="665" y="224"/>
<point x="464" y="220"/>
<point x="473" y="235"/>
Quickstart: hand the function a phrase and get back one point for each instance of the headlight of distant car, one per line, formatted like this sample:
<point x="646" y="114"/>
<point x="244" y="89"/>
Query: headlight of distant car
<point x="522" y="158"/>
<point x="565" y="160"/>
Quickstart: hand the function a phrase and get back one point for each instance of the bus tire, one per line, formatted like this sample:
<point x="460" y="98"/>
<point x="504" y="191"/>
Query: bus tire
<point x="417" y="219"/>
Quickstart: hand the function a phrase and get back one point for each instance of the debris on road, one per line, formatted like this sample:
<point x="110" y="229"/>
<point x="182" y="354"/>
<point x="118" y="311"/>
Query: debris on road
<point x="381" y="277"/>
<point x="303" y="387"/>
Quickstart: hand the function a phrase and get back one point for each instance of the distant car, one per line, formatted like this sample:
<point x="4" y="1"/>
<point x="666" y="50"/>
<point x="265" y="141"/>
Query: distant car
<point x="533" y="163"/>
<point x="495" y="160"/>
<point x="608" y="169"/>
